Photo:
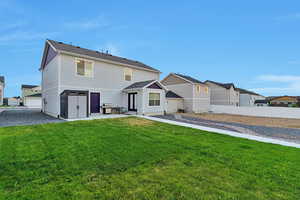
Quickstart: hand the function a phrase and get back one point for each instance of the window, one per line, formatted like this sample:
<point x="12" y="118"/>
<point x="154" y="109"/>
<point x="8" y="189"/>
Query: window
<point x="206" y="90"/>
<point x="198" y="88"/>
<point x="84" y="68"/>
<point x="154" y="99"/>
<point x="128" y="74"/>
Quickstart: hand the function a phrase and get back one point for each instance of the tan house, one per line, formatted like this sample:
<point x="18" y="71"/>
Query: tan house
<point x="2" y="85"/>
<point x="31" y="96"/>
<point x="195" y="94"/>
<point x="223" y="93"/>
<point x="285" y="101"/>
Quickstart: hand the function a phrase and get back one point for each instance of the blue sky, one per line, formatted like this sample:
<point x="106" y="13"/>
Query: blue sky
<point x="254" y="44"/>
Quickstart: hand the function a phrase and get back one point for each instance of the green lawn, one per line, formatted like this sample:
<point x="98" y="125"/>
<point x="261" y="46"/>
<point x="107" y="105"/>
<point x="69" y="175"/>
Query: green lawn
<point x="131" y="158"/>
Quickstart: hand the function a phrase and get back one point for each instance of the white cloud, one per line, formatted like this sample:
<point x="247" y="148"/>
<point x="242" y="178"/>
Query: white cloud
<point x="290" y="85"/>
<point x="87" y="24"/>
<point x="294" y="62"/>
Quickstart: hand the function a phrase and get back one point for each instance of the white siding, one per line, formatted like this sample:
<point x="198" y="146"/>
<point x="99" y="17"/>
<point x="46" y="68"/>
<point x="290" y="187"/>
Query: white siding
<point x="1" y="93"/>
<point x="173" y="105"/>
<point x="249" y="99"/>
<point x="201" y="101"/>
<point x="153" y="110"/>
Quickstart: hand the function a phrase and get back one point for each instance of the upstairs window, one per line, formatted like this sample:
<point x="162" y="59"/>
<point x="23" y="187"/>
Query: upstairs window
<point x="198" y="88"/>
<point x="127" y="74"/>
<point x="154" y="99"/>
<point x="84" y="68"/>
<point x="206" y="90"/>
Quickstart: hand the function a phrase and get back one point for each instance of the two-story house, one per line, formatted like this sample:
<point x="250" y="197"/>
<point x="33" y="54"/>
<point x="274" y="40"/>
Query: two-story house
<point x="223" y="93"/>
<point x="195" y="94"/>
<point x="248" y="98"/>
<point x="31" y="96"/>
<point x="78" y="82"/>
<point x="2" y="85"/>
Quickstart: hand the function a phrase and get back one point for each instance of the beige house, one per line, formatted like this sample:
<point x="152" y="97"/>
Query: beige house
<point x="195" y="94"/>
<point x="2" y="85"/>
<point x="31" y="96"/>
<point x="223" y="93"/>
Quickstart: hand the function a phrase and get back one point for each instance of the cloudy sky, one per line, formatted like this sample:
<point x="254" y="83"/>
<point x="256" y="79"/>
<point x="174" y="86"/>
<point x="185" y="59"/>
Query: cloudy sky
<point x="254" y="44"/>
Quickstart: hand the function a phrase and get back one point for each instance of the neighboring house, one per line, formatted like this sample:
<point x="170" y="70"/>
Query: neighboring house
<point x="31" y="96"/>
<point x="2" y="85"/>
<point x="285" y="101"/>
<point x="195" y="94"/>
<point x="223" y="93"/>
<point x="175" y="103"/>
<point x="13" y="101"/>
<point x="78" y="82"/>
<point x="248" y="98"/>
<point x="262" y="102"/>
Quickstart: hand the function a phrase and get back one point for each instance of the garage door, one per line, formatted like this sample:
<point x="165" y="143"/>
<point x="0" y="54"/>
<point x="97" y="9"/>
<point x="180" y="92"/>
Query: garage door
<point x="33" y="102"/>
<point x="173" y="105"/>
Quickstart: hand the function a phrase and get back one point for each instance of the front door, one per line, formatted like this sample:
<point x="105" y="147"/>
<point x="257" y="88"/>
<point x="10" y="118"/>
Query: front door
<point x="132" y="101"/>
<point x="95" y="102"/>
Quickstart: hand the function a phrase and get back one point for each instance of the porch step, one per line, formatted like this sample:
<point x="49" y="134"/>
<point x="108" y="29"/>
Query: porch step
<point x="131" y="113"/>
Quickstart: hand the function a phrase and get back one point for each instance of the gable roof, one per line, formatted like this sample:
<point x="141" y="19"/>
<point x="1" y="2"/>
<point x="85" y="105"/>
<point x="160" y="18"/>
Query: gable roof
<point x="2" y="79"/>
<point x="139" y="85"/>
<point x="171" y="94"/>
<point x="29" y="86"/>
<point x="35" y="95"/>
<point x="243" y="91"/>
<point x="188" y="78"/>
<point x="224" y="85"/>
<point x="67" y="48"/>
<point x="285" y="98"/>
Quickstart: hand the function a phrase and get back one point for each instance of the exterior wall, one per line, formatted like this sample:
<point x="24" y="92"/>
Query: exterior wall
<point x="13" y="102"/>
<point x="201" y="100"/>
<point x="153" y="110"/>
<point x="218" y="95"/>
<point x="234" y="97"/>
<point x="186" y="91"/>
<point x="249" y="99"/>
<point x="28" y="91"/>
<point x="33" y="102"/>
<point x="280" y="112"/>
<point x="173" y="80"/>
<point x="50" y="89"/>
<point x="1" y="93"/>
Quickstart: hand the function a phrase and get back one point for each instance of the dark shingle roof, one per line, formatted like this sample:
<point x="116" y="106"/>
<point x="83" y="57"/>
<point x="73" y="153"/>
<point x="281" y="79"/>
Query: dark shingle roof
<point x="96" y="54"/>
<point x="193" y="80"/>
<point x="171" y="94"/>
<point x="224" y="85"/>
<point x="2" y="79"/>
<point x="243" y="91"/>
<point x="138" y="85"/>
<point x="29" y="86"/>
<point x="261" y="101"/>
<point x="35" y="95"/>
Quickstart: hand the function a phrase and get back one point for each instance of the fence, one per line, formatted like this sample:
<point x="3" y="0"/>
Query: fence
<point x="258" y="111"/>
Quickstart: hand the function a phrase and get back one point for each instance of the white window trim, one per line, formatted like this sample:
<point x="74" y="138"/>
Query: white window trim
<point x="131" y="74"/>
<point x="85" y="60"/>
<point x="159" y="99"/>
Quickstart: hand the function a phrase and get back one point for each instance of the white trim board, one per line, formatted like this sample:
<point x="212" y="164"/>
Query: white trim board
<point x="225" y="132"/>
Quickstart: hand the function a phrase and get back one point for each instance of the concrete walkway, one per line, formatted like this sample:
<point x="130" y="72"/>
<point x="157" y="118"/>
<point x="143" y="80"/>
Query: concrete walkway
<point x="111" y="116"/>
<point x="225" y="132"/>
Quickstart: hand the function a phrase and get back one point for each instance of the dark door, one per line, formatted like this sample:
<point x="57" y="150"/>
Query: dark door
<point x="132" y="101"/>
<point x="95" y="102"/>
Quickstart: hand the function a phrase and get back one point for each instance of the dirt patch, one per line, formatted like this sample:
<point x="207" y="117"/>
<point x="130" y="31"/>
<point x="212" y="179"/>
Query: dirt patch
<point x="137" y="122"/>
<point x="256" y="121"/>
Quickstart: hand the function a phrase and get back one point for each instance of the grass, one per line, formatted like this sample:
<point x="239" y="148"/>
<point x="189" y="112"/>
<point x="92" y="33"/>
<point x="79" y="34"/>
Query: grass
<point x="131" y="158"/>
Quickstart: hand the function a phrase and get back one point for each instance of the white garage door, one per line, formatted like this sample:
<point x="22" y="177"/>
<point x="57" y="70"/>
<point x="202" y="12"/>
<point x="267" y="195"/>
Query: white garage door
<point x="173" y="105"/>
<point x="33" y="102"/>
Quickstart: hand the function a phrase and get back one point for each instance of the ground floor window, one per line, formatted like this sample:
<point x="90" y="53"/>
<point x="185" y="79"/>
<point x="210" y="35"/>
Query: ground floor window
<point x="154" y="99"/>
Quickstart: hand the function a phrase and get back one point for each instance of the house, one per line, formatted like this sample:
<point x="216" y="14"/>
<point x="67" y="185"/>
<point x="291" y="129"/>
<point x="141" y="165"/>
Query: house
<point x="285" y="101"/>
<point x="223" y="93"/>
<point x="261" y="102"/>
<point x="78" y="82"/>
<point x="12" y="101"/>
<point x="248" y="98"/>
<point x="31" y="96"/>
<point x="2" y="85"/>
<point x="195" y="94"/>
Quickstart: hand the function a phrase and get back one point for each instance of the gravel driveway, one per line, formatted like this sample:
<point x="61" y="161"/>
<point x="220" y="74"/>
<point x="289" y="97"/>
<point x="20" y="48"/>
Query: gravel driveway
<point x="18" y="117"/>
<point x="285" y="134"/>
